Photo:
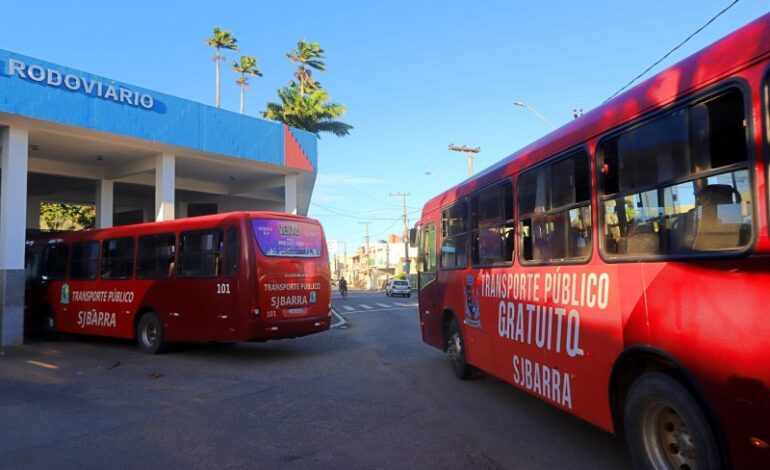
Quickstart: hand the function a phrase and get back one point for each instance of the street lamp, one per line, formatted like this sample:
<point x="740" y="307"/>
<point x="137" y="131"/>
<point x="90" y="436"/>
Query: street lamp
<point x="521" y="104"/>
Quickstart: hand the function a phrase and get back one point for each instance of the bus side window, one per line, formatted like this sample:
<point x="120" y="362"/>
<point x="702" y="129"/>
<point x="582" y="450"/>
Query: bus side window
<point x="200" y="254"/>
<point x="31" y="266"/>
<point x="155" y="256"/>
<point x="118" y="258"/>
<point x="679" y="184"/>
<point x="233" y="253"/>
<point x="492" y="225"/>
<point x="454" y="236"/>
<point x="84" y="262"/>
<point x="55" y="261"/>
<point x="555" y="210"/>
<point x="427" y="248"/>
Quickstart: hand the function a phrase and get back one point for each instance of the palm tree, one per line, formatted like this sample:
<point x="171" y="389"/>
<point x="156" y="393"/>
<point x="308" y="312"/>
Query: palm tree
<point x="308" y="112"/>
<point x="307" y="54"/>
<point x="248" y="66"/>
<point x="221" y="39"/>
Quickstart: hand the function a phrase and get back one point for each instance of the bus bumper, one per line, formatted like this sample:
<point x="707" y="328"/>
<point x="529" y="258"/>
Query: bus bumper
<point x="289" y="327"/>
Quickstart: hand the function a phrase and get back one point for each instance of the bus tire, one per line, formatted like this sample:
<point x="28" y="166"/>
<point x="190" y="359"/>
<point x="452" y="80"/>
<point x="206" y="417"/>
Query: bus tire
<point x="665" y="427"/>
<point x="149" y="334"/>
<point x="50" y="327"/>
<point x="456" y="351"/>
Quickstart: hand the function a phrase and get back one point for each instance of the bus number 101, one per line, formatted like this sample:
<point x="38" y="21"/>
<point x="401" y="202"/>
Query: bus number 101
<point x="223" y="288"/>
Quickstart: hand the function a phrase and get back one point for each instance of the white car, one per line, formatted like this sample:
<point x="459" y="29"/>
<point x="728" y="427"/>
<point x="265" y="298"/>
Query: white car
<point x="397" y="287"/>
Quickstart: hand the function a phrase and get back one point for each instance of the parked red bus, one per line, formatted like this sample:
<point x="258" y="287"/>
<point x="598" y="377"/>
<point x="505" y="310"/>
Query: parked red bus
<point x="619" y="268"/>
<point x="246" y="276"/>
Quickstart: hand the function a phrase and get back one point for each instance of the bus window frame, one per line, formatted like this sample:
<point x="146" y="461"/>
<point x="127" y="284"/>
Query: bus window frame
<point x="440" y="235"/>
<point x="764" y="102"/>
<point x="572" y="151"/>
<point x="722" y="87"/>
<point x="471" y="230"/>
<point x="238" y="254"/>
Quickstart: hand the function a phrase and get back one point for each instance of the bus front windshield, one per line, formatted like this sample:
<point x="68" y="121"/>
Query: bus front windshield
<point x="288" y="238"/>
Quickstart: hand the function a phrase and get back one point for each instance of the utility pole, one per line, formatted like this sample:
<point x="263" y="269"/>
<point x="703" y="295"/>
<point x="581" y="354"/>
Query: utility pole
<point x="405" y="236"/>
<point x="468" y="150"/>
<point x="344" y="263"/>
<point x="366" y="253"/>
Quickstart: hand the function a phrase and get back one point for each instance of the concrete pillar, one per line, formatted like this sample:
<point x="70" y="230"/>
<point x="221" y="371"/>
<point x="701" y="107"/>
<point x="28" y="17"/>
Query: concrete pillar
<point x="13" y="210"/>
<point x="165" y="176"/>
<point x="290" y="193"/>
<point x="104" y="203"/>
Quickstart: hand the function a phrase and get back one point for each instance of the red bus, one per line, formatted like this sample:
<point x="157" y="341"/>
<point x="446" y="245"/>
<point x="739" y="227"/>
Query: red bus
<point x="245" y="276"/>
<point x="619" y="267"/>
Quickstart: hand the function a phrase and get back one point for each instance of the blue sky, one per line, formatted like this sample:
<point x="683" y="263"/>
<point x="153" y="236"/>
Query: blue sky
<point x="415" y="76"/>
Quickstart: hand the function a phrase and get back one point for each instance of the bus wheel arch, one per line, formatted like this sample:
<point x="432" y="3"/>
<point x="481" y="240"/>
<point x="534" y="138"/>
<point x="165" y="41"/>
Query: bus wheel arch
<point x="453" y="344"/>
<point x="645" y="364"/>
<point x="149" y="331"/>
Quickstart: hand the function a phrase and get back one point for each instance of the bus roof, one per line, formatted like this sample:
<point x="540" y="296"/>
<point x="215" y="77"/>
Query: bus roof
<point x="738" y="50"/>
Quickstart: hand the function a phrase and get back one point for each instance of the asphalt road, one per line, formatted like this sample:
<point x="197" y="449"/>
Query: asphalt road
<point x="371" y="395"/>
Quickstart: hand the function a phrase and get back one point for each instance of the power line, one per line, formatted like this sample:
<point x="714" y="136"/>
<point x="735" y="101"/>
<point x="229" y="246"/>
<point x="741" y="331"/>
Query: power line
<point x="350" y="215"/>
<point x="674" y="49"/>
<point x="360" y="191"/>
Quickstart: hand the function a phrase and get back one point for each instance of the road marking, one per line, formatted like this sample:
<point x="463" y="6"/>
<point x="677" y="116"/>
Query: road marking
<point x="372" y="310"/>
<point x="342" y="323"/>
<point x="348" y="308"/>
<point x="384" y="305"/>
<point x="365" y="306"/>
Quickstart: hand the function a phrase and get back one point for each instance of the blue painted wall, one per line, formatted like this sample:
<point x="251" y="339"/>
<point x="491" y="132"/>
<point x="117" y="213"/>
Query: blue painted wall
<point x="170" y="120"/>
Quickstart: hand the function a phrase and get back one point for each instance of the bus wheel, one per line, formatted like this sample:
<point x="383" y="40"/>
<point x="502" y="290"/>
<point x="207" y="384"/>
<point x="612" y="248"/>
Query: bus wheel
<point x="50" y="327"/>
<point x="665" y="427"/>
<point x="456" y="351"/>
<point x="149" y="334"/>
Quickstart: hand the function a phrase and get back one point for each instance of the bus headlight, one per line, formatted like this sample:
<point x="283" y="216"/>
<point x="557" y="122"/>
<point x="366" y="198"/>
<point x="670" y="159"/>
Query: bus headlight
<point x="256" y="312"/>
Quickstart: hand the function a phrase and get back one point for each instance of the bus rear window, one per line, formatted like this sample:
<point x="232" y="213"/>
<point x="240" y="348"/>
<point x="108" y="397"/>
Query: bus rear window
<point x="288" y="238"/>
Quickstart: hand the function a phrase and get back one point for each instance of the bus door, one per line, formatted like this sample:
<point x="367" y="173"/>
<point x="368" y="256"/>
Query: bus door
<point x="228" y="292"/>
<point x="428" y="293"/>
<point x="205" y="298"/>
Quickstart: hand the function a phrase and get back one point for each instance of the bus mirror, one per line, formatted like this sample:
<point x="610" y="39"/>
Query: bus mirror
<point x="413" y="237"/>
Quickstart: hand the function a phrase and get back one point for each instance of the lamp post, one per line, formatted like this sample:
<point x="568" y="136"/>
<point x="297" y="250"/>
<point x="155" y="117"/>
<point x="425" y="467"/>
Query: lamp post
<point x="521" y="104"/>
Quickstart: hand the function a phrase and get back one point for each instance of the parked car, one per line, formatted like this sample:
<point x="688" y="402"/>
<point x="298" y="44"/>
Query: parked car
<point x="397" y="287"/>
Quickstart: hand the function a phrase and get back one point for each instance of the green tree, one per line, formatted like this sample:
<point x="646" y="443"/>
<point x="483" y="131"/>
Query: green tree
<point x="308" y="112"/>
<point x="247" y="66"/>
<point x="304" y="104"/>
<point x="56" y="216"/>
<point x="221" y="39"/>
<point x="308" y="55"/>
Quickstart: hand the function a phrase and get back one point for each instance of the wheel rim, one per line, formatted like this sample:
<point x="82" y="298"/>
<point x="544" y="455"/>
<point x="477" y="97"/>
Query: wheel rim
<point x="667" y="439"/>
<point x="455" y="348"/>
<point x="149" y="334"/>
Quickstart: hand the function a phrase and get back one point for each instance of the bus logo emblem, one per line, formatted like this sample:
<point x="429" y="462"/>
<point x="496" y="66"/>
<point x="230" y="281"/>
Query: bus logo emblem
<point x="65" y="294"/>
<point x="312" y="297"/>
<point x="472" y="314"/>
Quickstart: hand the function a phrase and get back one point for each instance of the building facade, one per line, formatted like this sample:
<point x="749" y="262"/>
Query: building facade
<point x="68" y="136"/>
